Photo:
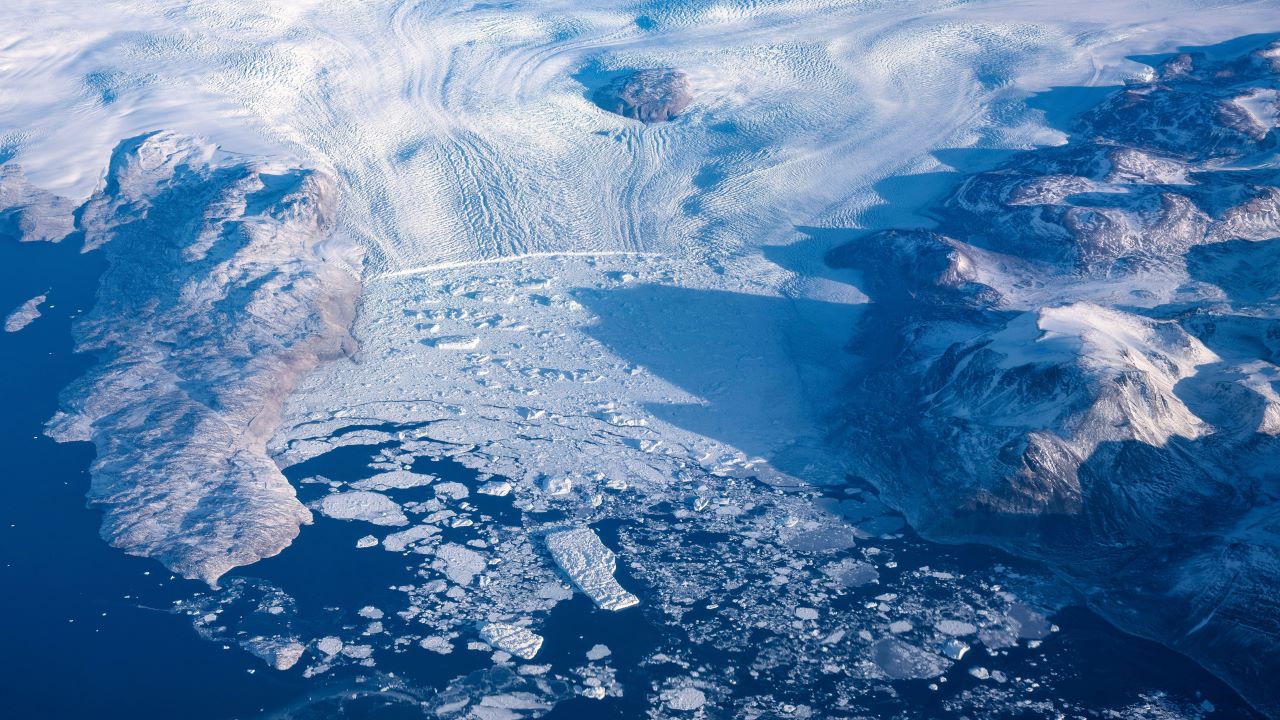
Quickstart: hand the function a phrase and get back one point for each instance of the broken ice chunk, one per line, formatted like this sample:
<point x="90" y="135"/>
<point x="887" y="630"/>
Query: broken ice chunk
<point x="954" y="649"/>
<point x="363" y="505"/>
<point x="393" y="480"/>
<point x="556" y="485"/>
<point x="329" y="645"/>
<point x="902" y="661"/>
<point x="497" y="488"/>
<point x="852" y="573"/>
<point x="590" y="565"/>
<point x="436" y="644"/>
<point x="955" y="627"/>
<point x="280" y="653"/>
<point x="461" y="564"/>
<point x="367" y="541"/>
<point x="397" y="542"/>
<point x="519" y="641"/>
<point x="685" y="699"/>
<point x="599" y="652"/>
<point x="358" y="652"/>
<point x="452" y="490"/>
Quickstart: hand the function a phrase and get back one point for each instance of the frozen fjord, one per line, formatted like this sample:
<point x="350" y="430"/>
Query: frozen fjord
<point x="590" y="281"/>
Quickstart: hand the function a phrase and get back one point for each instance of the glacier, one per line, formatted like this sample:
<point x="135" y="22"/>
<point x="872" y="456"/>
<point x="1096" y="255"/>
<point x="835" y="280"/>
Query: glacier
<point x="713" y="347"/>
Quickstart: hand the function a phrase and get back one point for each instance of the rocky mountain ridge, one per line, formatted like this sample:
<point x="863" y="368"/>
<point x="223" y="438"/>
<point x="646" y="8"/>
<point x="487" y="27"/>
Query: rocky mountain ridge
<point x="1079" y="362"/>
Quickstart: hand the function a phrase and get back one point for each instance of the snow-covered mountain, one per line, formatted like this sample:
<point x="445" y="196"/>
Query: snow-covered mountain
<point x="1079" y="363"/>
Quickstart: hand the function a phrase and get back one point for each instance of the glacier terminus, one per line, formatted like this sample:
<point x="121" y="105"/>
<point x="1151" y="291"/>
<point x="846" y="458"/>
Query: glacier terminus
<point x="652" y="359"/>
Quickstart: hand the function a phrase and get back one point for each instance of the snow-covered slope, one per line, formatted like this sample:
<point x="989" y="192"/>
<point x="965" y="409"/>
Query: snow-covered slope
<point x="225" y="286"/>
<point x="1083" y="364"/>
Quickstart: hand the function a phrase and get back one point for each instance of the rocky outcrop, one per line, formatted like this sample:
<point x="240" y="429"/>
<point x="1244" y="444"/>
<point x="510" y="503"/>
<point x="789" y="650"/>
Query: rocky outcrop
<point x="650" y="96"/>
<point x="225" y="285"/>
<point x="1079" y="364"/>
<point x="28" y="213"/>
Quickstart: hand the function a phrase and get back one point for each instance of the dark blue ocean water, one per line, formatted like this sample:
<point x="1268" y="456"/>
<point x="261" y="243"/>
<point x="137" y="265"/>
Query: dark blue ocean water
<point x="79" y="634"/>
<point x="87" y="631"/>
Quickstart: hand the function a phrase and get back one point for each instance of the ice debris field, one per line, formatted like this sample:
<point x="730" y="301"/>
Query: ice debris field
<point x="490" y="358"/>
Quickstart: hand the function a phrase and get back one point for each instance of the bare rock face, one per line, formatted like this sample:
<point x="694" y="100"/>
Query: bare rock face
<point x="225" y="285"/>
<point x="650" y="96"/>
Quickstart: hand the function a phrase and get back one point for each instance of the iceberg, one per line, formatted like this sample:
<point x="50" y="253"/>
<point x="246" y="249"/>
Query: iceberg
<point x="590" y="566"/>
<point x="517" y="640"/>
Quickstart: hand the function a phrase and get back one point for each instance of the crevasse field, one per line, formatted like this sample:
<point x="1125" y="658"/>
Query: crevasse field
<point x="926" y="365"/>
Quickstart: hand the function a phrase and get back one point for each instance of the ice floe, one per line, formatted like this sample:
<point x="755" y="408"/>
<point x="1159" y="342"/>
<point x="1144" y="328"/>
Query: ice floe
<point x="393" y="480"/>
<point x="517" y="640"/>
<point x="371" y="507"/>
<point x="590" y="565"/>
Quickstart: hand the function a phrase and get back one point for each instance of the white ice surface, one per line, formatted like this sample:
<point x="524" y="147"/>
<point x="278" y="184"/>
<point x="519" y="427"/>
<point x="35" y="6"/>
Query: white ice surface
<point x="466" y="149"/>
<point x="363" y="505"/>
<point x="393" y="480"/>
<point x="462" y="134"/>
<point x="519" y="641"/>
<point x="563" y="290"/>
<point x="590" y="565"/>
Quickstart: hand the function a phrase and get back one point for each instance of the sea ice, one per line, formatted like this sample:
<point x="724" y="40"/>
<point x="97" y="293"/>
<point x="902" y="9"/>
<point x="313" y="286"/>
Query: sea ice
<point x="329" y="645"/>
<point x="393" y="480"/>
<point x="280" y="653"/>
<point x="363" y="505"/>
<point x="598" y="652"/>
<point x="685" y="699"/>
<point x="556" y="484"/>
<point x="452" y="490"/>
<point x="589" y="565"/>
<point x="436" y="644"/>
<point x="852" y="573"/>
<point x="519" y="641"/>
<point x="461" y="564"/>
<point x="955" y="649"/>
<point x="955" y="627"/>
<point x="398" y="541"/>
<point x="903" y="661"/>
<point x="496" y="488"/>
